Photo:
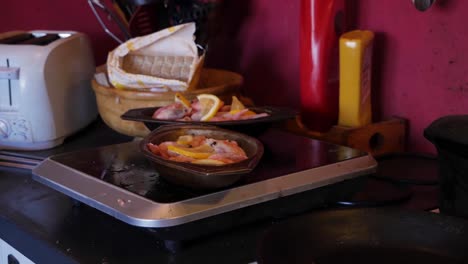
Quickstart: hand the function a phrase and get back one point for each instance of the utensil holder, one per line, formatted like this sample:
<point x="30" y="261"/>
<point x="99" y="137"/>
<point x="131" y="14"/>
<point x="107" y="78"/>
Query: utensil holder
<point x="376" y="138"/>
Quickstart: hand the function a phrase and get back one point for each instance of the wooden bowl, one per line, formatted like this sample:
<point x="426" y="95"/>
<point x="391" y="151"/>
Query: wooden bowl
<point x="112" y="103"/>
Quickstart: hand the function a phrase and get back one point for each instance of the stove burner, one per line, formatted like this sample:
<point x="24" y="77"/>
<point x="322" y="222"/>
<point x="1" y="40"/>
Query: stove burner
<point x="125" y="167"/>
<point x="301" y="175"/>
<point x="378" y="193"/>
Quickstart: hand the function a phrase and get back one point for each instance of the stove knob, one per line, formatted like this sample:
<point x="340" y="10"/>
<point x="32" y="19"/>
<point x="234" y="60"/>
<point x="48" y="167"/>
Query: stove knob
<point x="4" y="129"/>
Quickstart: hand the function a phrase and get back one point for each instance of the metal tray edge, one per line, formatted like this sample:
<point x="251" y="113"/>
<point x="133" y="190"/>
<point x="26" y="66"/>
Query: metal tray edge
<point x="139" y="211"/>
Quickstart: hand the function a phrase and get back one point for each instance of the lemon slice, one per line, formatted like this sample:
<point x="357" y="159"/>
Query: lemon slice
<point x="181" y="99"/>
<point x="185" y="140"/>
<point x="249" y="113"/>
<point x="200" y="152"/>
<point x="210" y="162"/>
<point x="210" y="105"/>
<point x="236" y="105"/>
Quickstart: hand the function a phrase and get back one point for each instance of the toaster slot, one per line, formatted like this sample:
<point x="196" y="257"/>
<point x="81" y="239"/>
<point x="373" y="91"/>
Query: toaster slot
<point x="17" y="38"/>
<point x="9" y="90"/>
<point x="41" y="41"/>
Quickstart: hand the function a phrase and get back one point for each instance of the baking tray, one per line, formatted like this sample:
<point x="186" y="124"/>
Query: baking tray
<point x="119" y="181"/>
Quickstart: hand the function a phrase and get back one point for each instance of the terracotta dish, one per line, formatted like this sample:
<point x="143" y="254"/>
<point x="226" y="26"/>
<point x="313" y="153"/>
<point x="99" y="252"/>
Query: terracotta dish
<point x="202" y="177"/>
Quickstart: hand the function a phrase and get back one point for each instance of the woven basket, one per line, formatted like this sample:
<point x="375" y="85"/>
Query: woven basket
<point x="112" y="103"/>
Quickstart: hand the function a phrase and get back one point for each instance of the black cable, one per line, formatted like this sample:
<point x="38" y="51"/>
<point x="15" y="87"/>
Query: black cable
<point x="406" y="181"/>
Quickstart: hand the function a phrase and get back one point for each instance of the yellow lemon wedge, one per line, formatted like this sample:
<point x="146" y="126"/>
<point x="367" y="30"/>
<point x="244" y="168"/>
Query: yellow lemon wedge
<point x="249" y="113"/>
<point x="210" y="105"/>
<point x="236" y="105"/>
<point x="210" y="162"/>
<point x="185" y="140"/>
<point x="200" y="152"/>
<point x="181" y="99"/>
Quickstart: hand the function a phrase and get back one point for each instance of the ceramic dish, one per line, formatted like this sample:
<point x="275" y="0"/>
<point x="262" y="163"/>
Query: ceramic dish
<point x="252" y="127"/>
<point x="202" y="177"/>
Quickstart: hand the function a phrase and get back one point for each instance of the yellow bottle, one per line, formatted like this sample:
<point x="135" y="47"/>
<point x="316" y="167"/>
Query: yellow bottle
<point x="355" y="78"/>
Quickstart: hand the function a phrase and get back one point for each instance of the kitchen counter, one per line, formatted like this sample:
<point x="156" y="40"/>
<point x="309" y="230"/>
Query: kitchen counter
<point x="48" y="227"/>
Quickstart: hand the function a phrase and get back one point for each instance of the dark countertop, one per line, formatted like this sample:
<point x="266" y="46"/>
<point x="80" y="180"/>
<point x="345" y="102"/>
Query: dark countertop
<point x="48" y="227"/>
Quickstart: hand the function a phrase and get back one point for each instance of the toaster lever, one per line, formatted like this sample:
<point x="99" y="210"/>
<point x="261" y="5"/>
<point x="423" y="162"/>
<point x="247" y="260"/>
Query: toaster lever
<point x="11" y="73"/>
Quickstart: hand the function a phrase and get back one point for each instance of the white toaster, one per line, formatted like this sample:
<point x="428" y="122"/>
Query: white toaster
<point x="45" y="88"/>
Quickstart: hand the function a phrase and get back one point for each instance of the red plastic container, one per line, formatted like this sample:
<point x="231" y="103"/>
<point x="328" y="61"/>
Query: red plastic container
<point x="322" y="23"/>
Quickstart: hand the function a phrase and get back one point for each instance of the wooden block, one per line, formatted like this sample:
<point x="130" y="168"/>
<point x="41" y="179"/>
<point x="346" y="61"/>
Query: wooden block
<point x="377" y="138"/>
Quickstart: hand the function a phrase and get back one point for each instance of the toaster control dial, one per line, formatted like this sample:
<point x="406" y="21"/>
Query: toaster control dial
<point x="4" y="131"/>
<point x="18" y="136"/>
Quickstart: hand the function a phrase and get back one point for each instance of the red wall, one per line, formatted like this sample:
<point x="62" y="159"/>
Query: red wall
<point x="56" y="15"/>
<point x="420" y="69"/>
<point x="422" y="64"/>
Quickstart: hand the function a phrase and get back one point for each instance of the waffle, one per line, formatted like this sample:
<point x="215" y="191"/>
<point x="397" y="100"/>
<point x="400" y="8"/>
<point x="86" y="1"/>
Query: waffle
<point x="167" y="67"/>
<point x="166" y="60"/>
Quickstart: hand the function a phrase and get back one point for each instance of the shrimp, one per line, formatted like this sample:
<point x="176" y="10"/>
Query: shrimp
<point x="163" y="149"/>
<point x="191" y="141"/>
<point x="226" y="150"/>
<point x="154" y="148"/>
<point x="170" y="112"/>
<point x="181" y="158"/>
<point x="254" y="116"/>
<point x="196" y="110"/>
<point x="193" y="148"/>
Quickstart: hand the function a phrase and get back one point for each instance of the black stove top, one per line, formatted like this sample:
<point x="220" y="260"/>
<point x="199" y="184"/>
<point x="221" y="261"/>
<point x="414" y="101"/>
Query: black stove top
<point x="124" y="166"/>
